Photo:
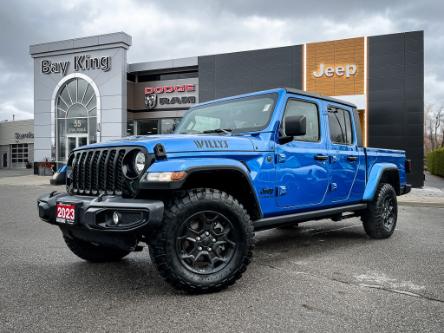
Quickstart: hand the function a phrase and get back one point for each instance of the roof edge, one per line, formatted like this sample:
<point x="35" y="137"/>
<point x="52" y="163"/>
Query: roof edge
<point x="82" y="42"/>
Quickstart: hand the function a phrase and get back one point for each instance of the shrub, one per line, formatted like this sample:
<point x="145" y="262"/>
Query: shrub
<point x="435" y="162"/>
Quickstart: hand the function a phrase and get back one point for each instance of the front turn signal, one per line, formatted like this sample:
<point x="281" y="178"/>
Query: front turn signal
<point x="165" y="176"/>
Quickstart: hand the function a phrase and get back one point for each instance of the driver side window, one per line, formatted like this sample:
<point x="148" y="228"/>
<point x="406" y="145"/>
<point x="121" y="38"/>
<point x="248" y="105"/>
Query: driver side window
<point x="310" y="111"/>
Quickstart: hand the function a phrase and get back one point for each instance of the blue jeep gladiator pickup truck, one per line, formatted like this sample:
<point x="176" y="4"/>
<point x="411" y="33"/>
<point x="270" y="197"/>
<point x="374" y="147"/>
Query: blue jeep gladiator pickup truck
<point x="268" y="159"/>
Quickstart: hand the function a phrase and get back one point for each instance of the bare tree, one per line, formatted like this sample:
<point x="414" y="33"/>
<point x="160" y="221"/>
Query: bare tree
<point x="428" y="130"/>
<point x="442" y="137"/>
<point x="434" y="127"/>
<point x="437" y="124"/>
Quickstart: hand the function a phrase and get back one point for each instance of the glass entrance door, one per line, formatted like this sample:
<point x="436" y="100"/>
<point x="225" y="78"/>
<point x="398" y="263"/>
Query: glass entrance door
<point x="76" y="111"/>
<point x="82" y="141"/>
<point x="75" y="141"/>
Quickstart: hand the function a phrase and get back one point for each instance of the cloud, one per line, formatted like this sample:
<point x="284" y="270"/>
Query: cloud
<point x="16" y="99"/>
<point x="10" y="111"/>
<point x="174" y="29"/>
<point x="434" y="92"/>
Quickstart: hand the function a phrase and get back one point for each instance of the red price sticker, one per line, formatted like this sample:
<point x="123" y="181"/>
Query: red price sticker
<point x="65" y="213"/>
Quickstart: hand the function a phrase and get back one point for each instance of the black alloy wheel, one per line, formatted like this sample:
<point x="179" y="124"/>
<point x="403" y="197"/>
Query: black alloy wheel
<point x="388" y="212"/>
<point x="380" y="217"/>
<point x="205" y="242"/>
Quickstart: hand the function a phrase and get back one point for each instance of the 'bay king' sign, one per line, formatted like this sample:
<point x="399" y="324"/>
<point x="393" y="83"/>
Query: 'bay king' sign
<point x="81" y="63"/>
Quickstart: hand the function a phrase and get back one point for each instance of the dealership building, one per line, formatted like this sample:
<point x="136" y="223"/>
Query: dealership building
<point x="16" y="144"/>
<point x="85" y="91"/>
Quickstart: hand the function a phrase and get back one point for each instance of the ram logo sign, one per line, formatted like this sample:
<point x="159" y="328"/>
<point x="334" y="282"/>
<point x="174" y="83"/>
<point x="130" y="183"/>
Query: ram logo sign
<point x="150" y="101"/>
<point x="171" y="95"/>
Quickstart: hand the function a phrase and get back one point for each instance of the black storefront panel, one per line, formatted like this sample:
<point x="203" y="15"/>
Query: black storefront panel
<point x="207" y="78"/>
<point x="242" y="72"/>
<point x="396" y="96"/>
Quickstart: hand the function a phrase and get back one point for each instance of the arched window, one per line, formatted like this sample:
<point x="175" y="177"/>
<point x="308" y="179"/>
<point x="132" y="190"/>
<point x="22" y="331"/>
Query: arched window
<point x="76" y="114"/>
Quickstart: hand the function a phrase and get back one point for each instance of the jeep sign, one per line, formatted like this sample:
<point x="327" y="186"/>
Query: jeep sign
<point x="329" y="71"/>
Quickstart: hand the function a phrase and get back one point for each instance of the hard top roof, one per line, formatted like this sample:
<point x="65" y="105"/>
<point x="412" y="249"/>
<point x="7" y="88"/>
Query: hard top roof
<point x="276" y="90"/>
<point x="315" y="95"/>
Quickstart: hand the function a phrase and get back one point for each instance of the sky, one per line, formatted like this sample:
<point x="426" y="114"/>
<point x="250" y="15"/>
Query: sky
<point x="175" y="29"/>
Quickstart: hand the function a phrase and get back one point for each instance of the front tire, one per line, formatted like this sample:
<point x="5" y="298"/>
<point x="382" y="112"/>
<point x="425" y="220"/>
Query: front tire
<point x="93" y="253"/>
<point x="380" y="218"/>
<point x="205" y="242"/>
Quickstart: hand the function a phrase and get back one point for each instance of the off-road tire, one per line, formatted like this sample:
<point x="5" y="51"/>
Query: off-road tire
<point x="163" y="248"/>
<point x="375" y="217"/>
<point x="93" y="253"/>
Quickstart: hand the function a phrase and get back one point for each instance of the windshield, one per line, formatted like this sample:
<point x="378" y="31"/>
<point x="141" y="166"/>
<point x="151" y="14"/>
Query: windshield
<point x="246" y="114"/>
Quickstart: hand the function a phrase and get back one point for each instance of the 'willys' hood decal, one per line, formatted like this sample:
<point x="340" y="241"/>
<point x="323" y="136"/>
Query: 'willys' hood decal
<point x="180" y="143"/>
<point x="211" y="144"/>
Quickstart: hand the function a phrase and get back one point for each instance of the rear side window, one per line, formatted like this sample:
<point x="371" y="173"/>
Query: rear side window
<point x="340" y="125"/>
<point x="310" y="111"/>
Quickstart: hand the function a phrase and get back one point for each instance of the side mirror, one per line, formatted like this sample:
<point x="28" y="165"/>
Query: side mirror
<point x="294" y="126"/>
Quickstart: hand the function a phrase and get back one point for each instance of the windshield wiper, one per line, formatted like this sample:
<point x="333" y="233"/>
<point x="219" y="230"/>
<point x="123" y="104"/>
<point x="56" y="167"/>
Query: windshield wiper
<point x="219" y="130"/>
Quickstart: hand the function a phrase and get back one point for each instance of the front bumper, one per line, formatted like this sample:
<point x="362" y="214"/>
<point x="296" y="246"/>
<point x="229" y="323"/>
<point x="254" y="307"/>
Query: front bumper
<point x="94" y="221"/>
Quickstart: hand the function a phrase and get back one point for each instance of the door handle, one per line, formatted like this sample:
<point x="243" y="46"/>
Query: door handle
<point x="352" y="158"/>
<point x="281" y="158"/>
<point x="320" y="157"/>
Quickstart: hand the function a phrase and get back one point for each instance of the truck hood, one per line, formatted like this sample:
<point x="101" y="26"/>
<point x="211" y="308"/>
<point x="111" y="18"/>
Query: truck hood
<point x="180" y="143"/>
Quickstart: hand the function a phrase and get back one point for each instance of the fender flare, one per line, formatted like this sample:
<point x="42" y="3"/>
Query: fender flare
<point x="194" y="166"/>
<point x="374" y="178"/>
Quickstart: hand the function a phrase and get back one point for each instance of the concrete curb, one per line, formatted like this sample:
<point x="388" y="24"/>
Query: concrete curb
<point x="421" y="204"/>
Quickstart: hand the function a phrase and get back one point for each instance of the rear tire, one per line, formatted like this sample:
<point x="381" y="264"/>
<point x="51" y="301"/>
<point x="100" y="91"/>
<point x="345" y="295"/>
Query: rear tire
<point x="94" y="253"/>
<point x="205" y="242"/>
<point x="380" y="218"/>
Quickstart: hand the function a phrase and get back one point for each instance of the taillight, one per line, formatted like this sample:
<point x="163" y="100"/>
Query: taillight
<point x="408" y="166"/>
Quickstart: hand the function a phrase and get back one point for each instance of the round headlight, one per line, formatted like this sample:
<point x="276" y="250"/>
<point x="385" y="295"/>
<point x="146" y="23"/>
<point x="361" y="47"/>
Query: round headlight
<point x="139" y="162"/>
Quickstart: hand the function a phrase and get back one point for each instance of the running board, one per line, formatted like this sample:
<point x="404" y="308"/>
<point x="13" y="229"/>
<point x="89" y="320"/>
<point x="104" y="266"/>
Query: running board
<point x="276" y="221"/>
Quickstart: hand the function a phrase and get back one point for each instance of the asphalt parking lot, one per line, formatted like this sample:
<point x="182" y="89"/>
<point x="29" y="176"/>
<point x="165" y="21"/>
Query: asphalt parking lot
<point x="324" y="276"/>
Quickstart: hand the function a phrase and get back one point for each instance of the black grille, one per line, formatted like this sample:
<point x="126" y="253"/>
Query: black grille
<point x="98" y="171"/>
